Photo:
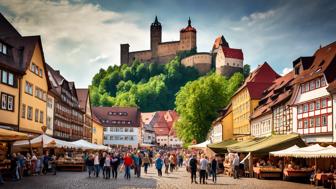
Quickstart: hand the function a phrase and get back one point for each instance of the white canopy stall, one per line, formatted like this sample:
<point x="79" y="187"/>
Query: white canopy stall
<point x="85" y="145"/>
<point x="44" y="141"/>
<point x="202" y="145"/>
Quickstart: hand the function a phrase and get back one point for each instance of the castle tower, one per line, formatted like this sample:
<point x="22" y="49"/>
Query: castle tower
<point x="187" y="38"/>
<point x="155" y="36"/>
<point x="124" y="54"/>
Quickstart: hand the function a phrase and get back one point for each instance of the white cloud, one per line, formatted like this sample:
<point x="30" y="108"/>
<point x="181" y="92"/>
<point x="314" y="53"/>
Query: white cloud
<point x="99" y="58"/>
<point x="286" y="71"/>
<point x="258" y="16"/>
<point x="76" y="34"/>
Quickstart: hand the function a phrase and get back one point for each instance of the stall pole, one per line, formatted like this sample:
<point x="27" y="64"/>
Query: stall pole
<point x="30" y="147"/>
<point x="251" y="164"/>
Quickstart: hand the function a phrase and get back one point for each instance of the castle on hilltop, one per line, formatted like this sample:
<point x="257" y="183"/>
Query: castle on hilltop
<point x="224" y="59"/>
<point x="160" y="52"/>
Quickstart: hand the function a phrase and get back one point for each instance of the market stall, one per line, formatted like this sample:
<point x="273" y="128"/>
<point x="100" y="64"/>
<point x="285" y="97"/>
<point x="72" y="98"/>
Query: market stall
<point x="259" y="148"/>
<point x="200" y="146"/>
<point x="313" y="152"/>
<point x="7" y="137"/>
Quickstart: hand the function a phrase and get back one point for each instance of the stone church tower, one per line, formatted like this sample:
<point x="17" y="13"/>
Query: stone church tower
<point x="155" y="37"/>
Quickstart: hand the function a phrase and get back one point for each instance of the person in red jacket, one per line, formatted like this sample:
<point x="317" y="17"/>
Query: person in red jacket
<point x="128" y="161"/>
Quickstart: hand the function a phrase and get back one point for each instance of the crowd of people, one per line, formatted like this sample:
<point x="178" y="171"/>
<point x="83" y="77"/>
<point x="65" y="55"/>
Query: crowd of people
<point x="109" y="164"/>
<point x="30" y="164"/>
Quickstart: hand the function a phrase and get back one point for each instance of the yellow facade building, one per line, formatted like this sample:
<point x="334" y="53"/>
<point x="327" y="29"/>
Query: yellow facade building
<point x="246" y="99"/>
<point x="227" y="124"/>
<point x="97" y="131"/>
<point x="33" y="102"/>
<point x="9" y="89"/>
<point x="23" y="83"/>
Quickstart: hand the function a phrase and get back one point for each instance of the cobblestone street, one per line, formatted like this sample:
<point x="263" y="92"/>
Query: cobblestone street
<point x="177" y="179"/>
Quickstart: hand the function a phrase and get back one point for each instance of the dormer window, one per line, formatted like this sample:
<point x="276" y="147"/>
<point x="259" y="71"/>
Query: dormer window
<point x="3" y="48"/>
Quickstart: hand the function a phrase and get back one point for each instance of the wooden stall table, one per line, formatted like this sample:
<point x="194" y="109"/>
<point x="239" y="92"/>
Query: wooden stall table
<point x="267" y="172"/>
<point x="298" y="173"/>
<point x="70" y="166"/>
<point x="323" y="178"/>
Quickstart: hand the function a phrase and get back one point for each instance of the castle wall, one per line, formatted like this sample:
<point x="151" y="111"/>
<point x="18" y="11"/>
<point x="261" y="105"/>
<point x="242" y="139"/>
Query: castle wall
<point x="142" y="56"/>
<point x="201" y="61"/>
<point x="228" y="71"/>
<point x="169" y="48"/>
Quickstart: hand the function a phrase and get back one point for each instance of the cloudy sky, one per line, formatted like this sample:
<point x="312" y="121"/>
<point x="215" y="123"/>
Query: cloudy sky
<point x="80" y="37"/>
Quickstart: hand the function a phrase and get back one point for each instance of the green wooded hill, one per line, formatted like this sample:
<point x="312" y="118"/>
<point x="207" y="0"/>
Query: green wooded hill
<point x="149" y="86"/>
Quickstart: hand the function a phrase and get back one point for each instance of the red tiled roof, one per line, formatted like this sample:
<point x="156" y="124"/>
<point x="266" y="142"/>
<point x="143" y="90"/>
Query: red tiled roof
<point x="280" y="90"/>
<point x="219" y="41"/>
<point x="233" y="53"/>
<point x="324" y="62"/>
<point x="83" y="95"/>
<point x="259" y="80"/>
<point x="107" y="118"/>
<point x="146" y="118"/>
<point x="161" y="131"/>
<point x="188" y="29"/>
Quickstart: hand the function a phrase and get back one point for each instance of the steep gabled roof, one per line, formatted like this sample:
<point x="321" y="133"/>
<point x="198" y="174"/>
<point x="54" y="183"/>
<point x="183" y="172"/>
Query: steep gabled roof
<point x="279" y="91"/>
<point x="323" y="62"/>
<point x="220" y="41"/>
<point x="233" y="53"/>
<point x="7" y="29"/>
<point x="83" y="96"/>
<point x="259" y="80"/>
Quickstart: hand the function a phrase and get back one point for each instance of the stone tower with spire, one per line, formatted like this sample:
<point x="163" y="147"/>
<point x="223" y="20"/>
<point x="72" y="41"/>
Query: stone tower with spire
<point x="155" y="37"/>
<point x="187" y="37"/>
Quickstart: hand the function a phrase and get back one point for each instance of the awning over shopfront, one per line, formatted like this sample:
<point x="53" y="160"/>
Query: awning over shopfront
<point x="85" y="145"/>
<point x="200" y="145"/>
<point x="313" y="151"/>
<point x="221" y="147"/>
<point x="44" y="141"/>
<point x="8" y="135"/>
<point x="267" y="144"/>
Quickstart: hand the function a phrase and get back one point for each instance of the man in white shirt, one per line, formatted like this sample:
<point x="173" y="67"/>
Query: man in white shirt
<point x="203" y="167"/>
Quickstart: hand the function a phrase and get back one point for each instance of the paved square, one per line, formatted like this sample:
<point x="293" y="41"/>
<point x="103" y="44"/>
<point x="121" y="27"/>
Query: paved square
<point x="177" y="180"/>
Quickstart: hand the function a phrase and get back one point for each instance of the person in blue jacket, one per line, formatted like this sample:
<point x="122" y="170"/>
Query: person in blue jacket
<point x="158" y="165"/>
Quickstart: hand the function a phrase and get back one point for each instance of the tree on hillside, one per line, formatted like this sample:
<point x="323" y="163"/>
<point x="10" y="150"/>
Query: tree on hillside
<point x="198" y="101"/>
<point x="246" y="70"/>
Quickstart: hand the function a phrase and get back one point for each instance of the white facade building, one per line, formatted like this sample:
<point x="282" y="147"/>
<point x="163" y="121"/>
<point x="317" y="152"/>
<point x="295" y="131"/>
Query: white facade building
<point x="262" y="126"/>
<point x="121" y="125"/>
<point x="50" y="115"/>
<point x="121" y="136"/>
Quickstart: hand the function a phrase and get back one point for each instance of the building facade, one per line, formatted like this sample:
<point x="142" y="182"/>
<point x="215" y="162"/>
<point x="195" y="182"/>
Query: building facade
<point x="85" y="105"/>
<point x="313" y="104"/>
<point x="227" y="60"/>
<point x="33" y="93"/>
<point x="271" y="115"/>
<point x="50" y="114"/>
<point x="97" y="130"/>
<point x="11" y="71"/>
<point x="147" y="128"/>
<point x="121" y="125"/>
<point x="160" y="52"/>
<point x="164" y="129"/>
<point x="246" y="99"/>
<point x="68" y="116"/>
